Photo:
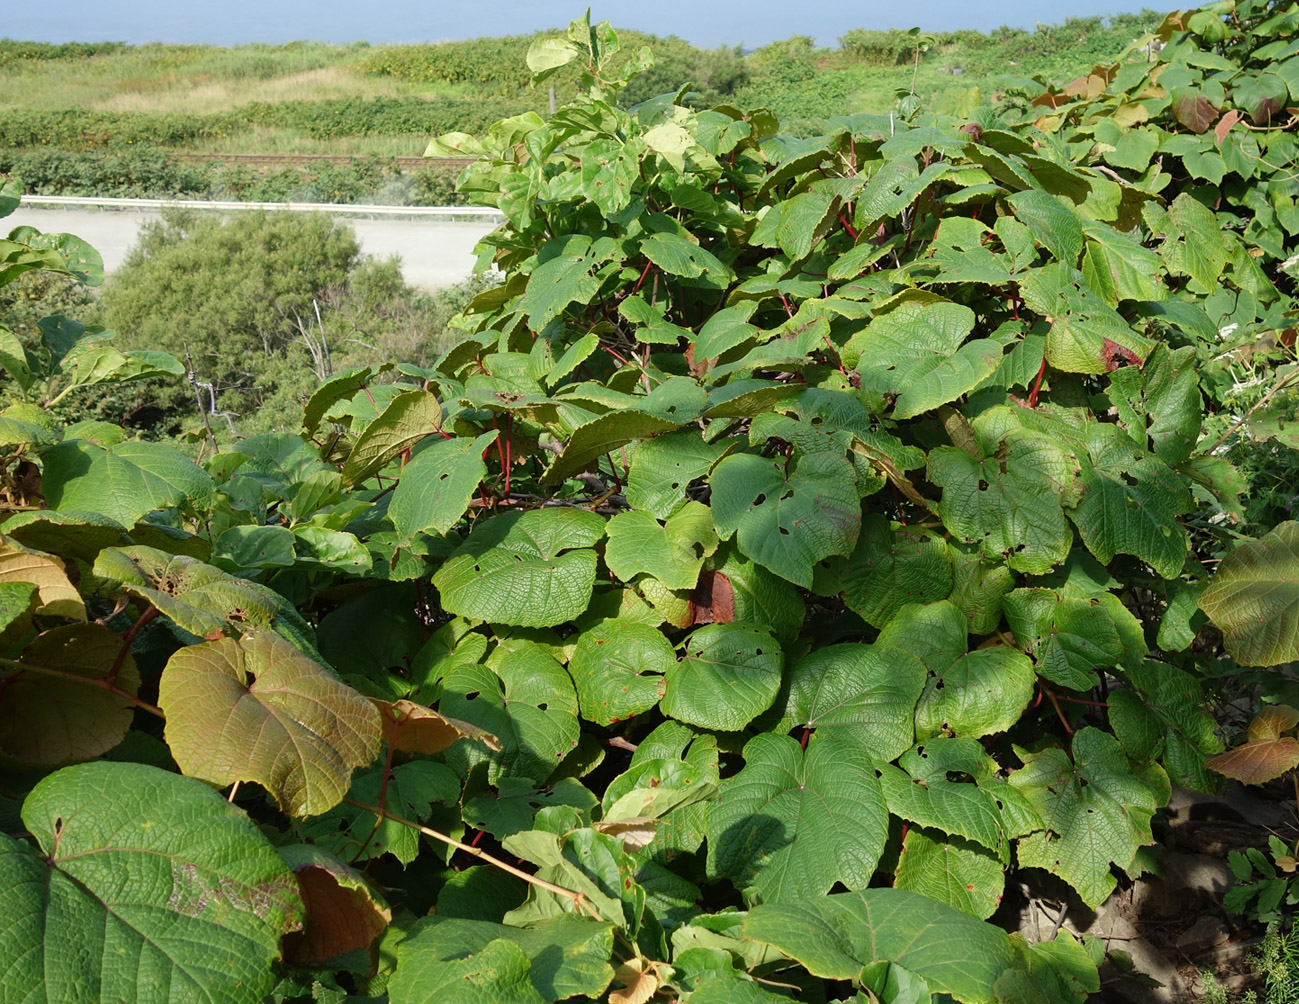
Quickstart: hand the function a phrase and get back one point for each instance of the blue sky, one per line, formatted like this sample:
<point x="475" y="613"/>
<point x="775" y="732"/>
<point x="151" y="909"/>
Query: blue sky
<point x="704" y="22"/>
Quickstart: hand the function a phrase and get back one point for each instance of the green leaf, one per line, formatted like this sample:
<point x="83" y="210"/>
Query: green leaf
<point x="1006" y="504"/>
<point x="730" y="674"/>
<point x="889" y="569"/>
<point x="1130" y="503"/>
<point x="563" y="276"/>
<point x="951" y="871"/>
<point x="664" y="467"/>
<point x="1160" y="402"/>
<point x="835" y="936"/>
<point x="968" y="693"/>
<point x="1193" y="244"/>
<point x="926" y="790"/>
<point x="550" y="54"/>
<point x="916" y="353"/>
<point x="1095" y="812"/>
<point x="866" y="692"/>
<point x="569" y="955"/>
<point x="787" y="516"/>
<point x="407" y="419"/>
<point x="139" y="864"/>
<point x="513" y="805"/>
<point x="618" y="670"/>
<point x="257" y="709"/>
<point x="1118" y="268"/>
<point x="1087" y="335"/>
<point x="725" y="330"/>
<point x="1053" y="224"/>
<point x="794" y="822"/>
<point x="591" y="441"/>
<point x="50" y="719"/>
<point x="499" y="974"/>
<point x="203" y="600"/>
<point x="437" y="485"/>
<point x="1070" y="637"/>
<point x="254" y="547"/>
<point x="339" y="387"/>
<point x="1164" y="716"/>
<point x="526" y="700"/>
<point x="673" y="553"/>
<point x="123" y="482"/>
<point x="409" y="790"/>
<point x="1254" y="598"/>
<point x="677" y="256"/>
<point x="530" y="569"/>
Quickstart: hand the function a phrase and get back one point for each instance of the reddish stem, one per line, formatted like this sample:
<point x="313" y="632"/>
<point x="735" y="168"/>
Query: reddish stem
<point x="127" y="640"/>
<point x="641" y="280"/>
<point x="1037" y="385"/>
<point x="509" y="429"/>
<point x="848" y="227"/>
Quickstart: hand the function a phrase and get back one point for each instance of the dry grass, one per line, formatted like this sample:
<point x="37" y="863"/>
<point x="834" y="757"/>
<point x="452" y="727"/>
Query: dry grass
<point x="194" y="79"/>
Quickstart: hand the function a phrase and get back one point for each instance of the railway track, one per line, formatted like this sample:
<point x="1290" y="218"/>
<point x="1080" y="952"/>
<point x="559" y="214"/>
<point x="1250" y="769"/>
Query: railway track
<point x="304" y="159"/>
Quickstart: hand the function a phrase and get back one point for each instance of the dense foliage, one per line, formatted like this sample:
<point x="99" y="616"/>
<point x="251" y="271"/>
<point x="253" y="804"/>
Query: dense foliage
<point x="135" y="172"/>
<point x="806" y="535"/>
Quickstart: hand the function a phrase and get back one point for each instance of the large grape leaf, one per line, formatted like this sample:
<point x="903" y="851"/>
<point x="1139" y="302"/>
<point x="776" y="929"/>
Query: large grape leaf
<point x="1160" y="402"/>
<point x="1130" y="503"/>
<point x="407" y="419"/>
<point x="951" y="871"/>
<point x="889" y="569"/>
<point x="865" y="692"/>
<point x="510" y="570"/>
<point x="526" y="700"/>
<point x="1164" y="716"/>
<point x="787" y="516"/>
<point x="730" y="674"/>
<point x="200" y="598"/>
<point x="1254" y="598"/>
<point x="122" y="482"/>
<point x="437" y="484"/>
<point x="968" y="693"/>
<point x="499" y="974"/>
<point x="1087" y="335"/>
<point x="1095" y="812"/>
<point x="148" y="886"/>
<point x="1005" y="504"/>
<point x="794" y="822"/>
<point x="1069" y="636"/>
<point x="257" y="709"/>
<point x="53" y="717"/>
<point x="618" y="669"/>
<point x="916" y="354"/>
<point x="836" y="936"/>
<point x="569" y="955"/>
<point x="592" y="440"/>
<point x="672" y="552"/>
<point x="928" y="788"/>
<point x="664" y="466"/>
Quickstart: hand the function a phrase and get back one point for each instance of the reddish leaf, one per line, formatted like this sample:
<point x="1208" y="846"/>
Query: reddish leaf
<point x="1257" y="762"/>
<point x="343" y="912"/>
<point x="712" y="601"/>
<point x="1113" y="352"/>
<point x="1224" y="125"/>
<point x="413" y="728"/>
<point x="1194" y="110"/>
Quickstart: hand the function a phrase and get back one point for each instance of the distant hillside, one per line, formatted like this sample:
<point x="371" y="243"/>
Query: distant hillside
<point x="105" y="118"/>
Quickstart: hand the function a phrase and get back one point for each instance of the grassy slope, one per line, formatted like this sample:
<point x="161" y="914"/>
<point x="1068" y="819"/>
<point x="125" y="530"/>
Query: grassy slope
<point x="302" y="86"/>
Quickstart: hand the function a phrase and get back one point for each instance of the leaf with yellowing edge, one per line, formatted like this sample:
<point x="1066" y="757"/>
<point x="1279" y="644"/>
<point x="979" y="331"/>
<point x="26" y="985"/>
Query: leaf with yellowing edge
<point x="1268" y="754"/>
<point x="639" y="979"/>
<point x="413" y="728"/>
